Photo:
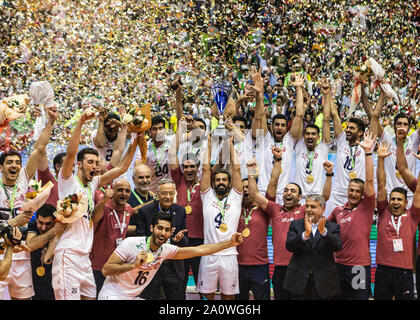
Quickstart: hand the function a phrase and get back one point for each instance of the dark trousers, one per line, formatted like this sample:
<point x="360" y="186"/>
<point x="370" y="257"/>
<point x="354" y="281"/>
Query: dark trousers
<point x="393" y="282"/>
<point x="256" y="279"/>
<point x="310" y="292"/>
<point x="278" y="277"/>
<point x="167" y="279"/>
<point x="99" y="280"/>
<point x="418" y="276"/>
<point x="193" y="263"/>
<point x="354" y="282"/>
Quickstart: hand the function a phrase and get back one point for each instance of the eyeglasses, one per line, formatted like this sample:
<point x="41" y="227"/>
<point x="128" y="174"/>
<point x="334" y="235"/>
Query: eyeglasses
<point x="166" y="193"/>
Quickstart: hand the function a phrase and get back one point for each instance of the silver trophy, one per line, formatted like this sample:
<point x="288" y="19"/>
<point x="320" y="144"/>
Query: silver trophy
<point x="221" y="90"/>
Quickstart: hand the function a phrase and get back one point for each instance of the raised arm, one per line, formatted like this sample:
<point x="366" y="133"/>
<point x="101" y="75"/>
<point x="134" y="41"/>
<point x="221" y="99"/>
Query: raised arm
<point x="383" y="152"/>
<point x="236" y="168"/>
<point x="100" y="138"/>
<point x="259" y="121"/>
<point x="402" y="164"/>
<point x="38" y="157"/>
<point x="122" y="167"/>
<point x="375" y="126"/>
<point x="173" y="149"/>
<point x="98" y="211"/>
<point x="119" y="145"/>
<point x="366" y="104"/>
<point x="205" y="182"/>
<point x="296" y="130"/>
<point x="177" y="88"/>
<point x="207" y="249"/>
<point x="368" y="145"/>
<point x="73" y="146"/>
<point x="416" y="198"/>
<point x="326" y="191"/>
<point x="261" y="201"/>
<point x="275" y="173"/>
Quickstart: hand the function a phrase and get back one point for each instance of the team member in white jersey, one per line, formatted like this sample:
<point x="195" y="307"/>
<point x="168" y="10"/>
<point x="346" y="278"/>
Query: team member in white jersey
<point x="157" y="152"/>
<point x="106" y="135"/>
<point x="221" y="214"/>
<point x="13" y="186"/>
<point x="72" y="275"/>
<point x="411" y="144"/>
<point x="311" y="155"/>
<point x="128" y="270"/>
<point x="279" y="137"/>
<point x="350" y="162"/>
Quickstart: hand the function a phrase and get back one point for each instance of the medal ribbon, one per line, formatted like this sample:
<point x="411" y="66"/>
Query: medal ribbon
<point x="222" y="208"/>
<point x="246" y="217"/>
<point x="137" y="196"/>
<point x="89" y="192"/>
<point x="311" y="155"/>
<point x="399" y="224"/>
<point x="189" y="191"/>
<point x="12" y="199"/>
<point x="353" y="156"/>
<point x="155" y="153"/>
<point x="121" y="226"/>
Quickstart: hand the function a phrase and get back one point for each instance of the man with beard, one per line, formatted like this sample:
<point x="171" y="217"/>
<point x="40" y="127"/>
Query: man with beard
<point x="13" y="186"/>
<point x="72" y="275"/>
<point x="188" y="196"/>
<point x="311" y="155"/>
<point x="279" y="136"/>
<point x="134" y="264"/>
<point x="311" y="273"/>
<point x="110" y="220"/>
<point x="106" y="134"/>
<point x="350" y="156"/>
<point x="40" y="232"/>
<point x="221" y="216"/>
<point x="170" y="276"/>
<point x="355" y="219"/>
<point x="282" y="215"/>
<point x="141" y="195"/>
<point x="411" y="144"/>
<point x="396" y="232"/>
<point x="157" y="152"/>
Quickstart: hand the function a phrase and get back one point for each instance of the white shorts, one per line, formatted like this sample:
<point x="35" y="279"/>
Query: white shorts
<point x="72" y="276"/>
<point x="19" y="280"/>
<point x="218" y="269"/>
<point x="116" y="297"/>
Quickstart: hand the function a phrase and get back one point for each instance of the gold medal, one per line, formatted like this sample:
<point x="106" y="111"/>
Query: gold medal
<point x="40" y="271"/>
<point x="310" y="178"/>
<point x="223" y="227"/>
<point x="353" y="175"/>
<point x="246" y="232"/>
<point x="188" y="209"/>
<point x="398" y="174"/>
<point x="149" y="257"/>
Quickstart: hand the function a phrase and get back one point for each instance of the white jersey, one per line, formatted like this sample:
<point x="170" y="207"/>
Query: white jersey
<point x="249" y="148"/>
<point x="132" y="283"/>
<point x="106" y="151"/>
<point x="411" y="145"/>
<point x="287" y="147"/>
<point x="349" y="159"/>
<point x="78" y="235"/>
<point x="199" y="150"/>
<point x="213" y="218"/>
<point x="320" y="155"/>
<point x="158" y="161"/>
<point x="6" y="196"/>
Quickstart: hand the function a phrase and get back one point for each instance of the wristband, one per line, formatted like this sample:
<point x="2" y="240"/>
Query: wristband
<point x="330" y="174"/>
<point x="368" y="154"/>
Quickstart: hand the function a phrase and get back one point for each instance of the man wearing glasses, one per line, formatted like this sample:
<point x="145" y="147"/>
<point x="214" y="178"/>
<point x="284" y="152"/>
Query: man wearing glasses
<point x="170" y="275"/>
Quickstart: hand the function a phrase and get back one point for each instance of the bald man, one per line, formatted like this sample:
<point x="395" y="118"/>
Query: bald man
<point x="111" y="224"/>
<point x="140" y="195"/>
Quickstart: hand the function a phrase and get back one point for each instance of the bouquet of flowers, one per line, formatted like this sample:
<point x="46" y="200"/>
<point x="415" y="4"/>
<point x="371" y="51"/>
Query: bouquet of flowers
<point x="12" y="108"/>
<point x="71" y="208"/>
<point x="36" y="195"/>
<point x="369" y="72"/>
<point x="138" y="119"/>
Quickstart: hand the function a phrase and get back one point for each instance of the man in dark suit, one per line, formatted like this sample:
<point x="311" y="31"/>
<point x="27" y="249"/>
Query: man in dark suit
<point x="311" y="273"/>
<point x="170" y="276"/>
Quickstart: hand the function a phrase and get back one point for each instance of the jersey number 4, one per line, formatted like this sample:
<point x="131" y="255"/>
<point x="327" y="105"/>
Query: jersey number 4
<point x="141" y="278"/>
<point x="218" y="220"/>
